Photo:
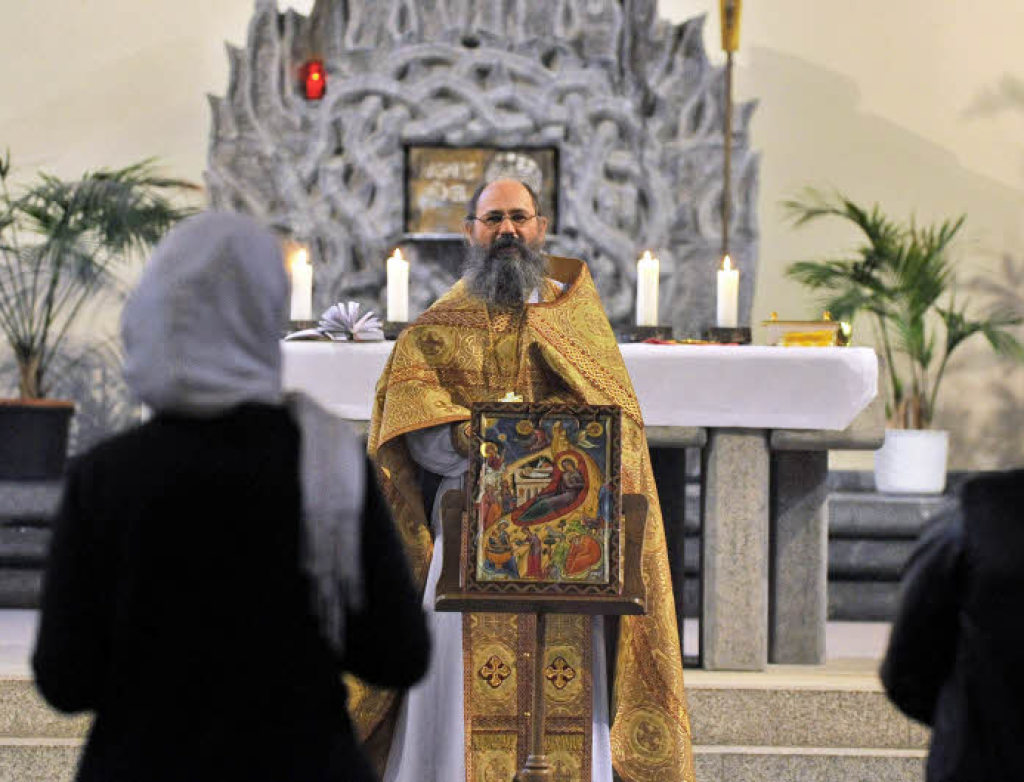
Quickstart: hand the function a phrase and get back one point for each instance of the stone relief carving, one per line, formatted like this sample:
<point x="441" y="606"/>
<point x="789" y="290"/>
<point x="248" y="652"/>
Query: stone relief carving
<point x="630" y="101"/>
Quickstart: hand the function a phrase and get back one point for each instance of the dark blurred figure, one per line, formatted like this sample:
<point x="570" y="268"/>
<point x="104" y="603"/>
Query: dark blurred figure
<point x="215" y="570"/>
<point x="954" y="660"/>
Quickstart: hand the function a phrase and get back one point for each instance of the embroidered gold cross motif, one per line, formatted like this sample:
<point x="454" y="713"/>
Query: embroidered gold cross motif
<point x="494" y="671"/>
<point x="648" y="736"/>
<point x="430" y="344"/>
<point x="559" y="673"/>
<point x="562" y="772"/>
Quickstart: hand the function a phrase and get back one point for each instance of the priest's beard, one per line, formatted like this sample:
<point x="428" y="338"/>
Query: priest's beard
<point x="504" y="273"/>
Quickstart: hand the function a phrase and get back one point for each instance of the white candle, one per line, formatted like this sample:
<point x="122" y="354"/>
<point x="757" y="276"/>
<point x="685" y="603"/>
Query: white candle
<point x="398" y="288"/>
<point x="647" y="290"/>
<point x="302" y="285"/>
<point x="728" y="295"/>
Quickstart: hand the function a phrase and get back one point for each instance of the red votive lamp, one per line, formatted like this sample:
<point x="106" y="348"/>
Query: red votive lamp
<point x="314" y="79"/>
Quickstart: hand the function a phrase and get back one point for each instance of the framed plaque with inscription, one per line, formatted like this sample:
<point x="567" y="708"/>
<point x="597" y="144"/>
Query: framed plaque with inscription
<point x="439" y="181"/>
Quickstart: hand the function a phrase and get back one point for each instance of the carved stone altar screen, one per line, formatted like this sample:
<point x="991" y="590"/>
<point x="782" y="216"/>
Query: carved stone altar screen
<point x="630" y="102"/>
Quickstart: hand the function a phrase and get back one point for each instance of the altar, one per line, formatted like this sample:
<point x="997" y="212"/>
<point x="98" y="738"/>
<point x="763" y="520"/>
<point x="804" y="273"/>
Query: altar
<point x="751" y="387"/>
<point x="764" y="418"/>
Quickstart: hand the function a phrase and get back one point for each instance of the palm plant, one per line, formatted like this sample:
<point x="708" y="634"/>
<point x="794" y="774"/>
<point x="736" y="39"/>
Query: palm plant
<point x="903" y="279"/>
<point x="61" y="243"/>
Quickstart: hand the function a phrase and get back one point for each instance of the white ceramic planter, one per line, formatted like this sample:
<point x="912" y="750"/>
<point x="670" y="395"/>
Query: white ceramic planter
<point x="912" y="461"/>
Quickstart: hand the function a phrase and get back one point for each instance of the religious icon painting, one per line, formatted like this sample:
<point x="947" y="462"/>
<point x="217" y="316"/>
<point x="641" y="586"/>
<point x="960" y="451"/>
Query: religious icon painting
<point x="545" y="500"/>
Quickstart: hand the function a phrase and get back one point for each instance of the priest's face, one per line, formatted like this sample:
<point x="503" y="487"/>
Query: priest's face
<point x="504" y="262"/>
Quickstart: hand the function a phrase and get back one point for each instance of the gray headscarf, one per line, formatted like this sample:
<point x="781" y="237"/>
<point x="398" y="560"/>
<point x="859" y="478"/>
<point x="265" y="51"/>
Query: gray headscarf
<point x="201" y="335"/>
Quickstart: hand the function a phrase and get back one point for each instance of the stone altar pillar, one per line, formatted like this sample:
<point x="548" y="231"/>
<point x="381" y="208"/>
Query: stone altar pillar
<point x="734" y="625"/>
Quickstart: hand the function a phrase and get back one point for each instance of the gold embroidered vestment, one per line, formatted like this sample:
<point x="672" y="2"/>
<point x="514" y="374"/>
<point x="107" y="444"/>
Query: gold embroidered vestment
<point x="560" y="350"/>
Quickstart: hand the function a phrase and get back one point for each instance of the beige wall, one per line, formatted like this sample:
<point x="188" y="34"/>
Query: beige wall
<point x="873" y="98"/>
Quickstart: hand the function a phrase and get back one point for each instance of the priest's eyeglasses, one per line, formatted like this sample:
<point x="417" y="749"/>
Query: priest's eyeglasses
<point x="493" y="220"/>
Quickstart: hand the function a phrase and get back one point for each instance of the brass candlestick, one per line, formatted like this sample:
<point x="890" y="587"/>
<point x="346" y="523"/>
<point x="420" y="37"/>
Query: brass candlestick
<point x="730" y="17"/>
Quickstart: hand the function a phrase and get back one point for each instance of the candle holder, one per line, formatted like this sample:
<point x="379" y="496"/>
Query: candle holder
<point x="728" y="335"/>
<point x="392" y="328"/>
<point x="640" y="333"/>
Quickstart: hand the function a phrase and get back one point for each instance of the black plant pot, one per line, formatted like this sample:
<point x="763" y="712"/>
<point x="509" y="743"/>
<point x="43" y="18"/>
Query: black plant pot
<point x="34" y="438"/>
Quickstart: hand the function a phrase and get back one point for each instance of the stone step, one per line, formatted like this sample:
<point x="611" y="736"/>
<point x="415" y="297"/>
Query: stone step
<point x="23" y="545"/>
<point x="20" y="587"/>
<point x="55" y="760"/>
<point x="884" y="516"/>
<point x="785" y="706"/>
<point x="24" y="714"/>
<point x="39" y="760"/>
<point x="867" y="560"/>
<point x="863" y="601"/>
<point x="807" y="764"/>
<point x="29" y="500"/>
<point x="839" y="705"/>
<point x="819" y="723"/>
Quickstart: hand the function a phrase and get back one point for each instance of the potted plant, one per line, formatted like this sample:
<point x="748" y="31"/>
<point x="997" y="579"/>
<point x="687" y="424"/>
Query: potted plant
<point x="61" y="243"/>
<point x="902" y="279"/>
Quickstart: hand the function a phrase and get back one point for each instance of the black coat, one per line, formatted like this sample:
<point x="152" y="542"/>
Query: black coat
<point x="174" y="608"/>
<point x="954" y="658"/>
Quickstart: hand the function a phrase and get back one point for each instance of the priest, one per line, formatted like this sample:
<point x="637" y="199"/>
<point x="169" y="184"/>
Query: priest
<point x="523" y="322"/>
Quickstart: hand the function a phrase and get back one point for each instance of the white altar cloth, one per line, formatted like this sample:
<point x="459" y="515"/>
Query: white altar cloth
<point x="750" y="386"/>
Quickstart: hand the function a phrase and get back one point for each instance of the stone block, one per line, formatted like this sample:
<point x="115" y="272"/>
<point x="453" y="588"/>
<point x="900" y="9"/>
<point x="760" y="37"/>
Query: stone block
<point x="38" y="761"/>
<point x="735" y="546"/>
<point x="29" y="500"/>
<point x="23" y="546"/>
<point x="800" y="715"/>
<point x="863" y="601"/>
<point x="744" y="765"/>
<point x="20" y="587"/>
<point x="799" y="551"/>
<point x="868" y="560"/>
<point x="873" y="515"/>
<point x="25" y="715"/>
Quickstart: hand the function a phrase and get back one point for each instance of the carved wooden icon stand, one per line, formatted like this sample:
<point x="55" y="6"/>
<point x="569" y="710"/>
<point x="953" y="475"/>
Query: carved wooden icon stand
<point x="450" y="596"/>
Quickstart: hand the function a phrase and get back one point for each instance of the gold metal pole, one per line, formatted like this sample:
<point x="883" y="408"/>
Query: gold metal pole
<point x="730" y="12"/>
<point x="727" y="157"/>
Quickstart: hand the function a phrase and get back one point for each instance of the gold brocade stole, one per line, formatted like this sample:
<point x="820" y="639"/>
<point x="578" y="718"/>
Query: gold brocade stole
<point x="497" y="652"/>
<point x="498" y="648"/>
<point x="502" y="355"/>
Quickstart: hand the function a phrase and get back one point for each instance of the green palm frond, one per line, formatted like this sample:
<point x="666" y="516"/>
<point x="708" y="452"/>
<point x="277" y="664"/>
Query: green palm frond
<point x="903" y="278"/>
<point x="61" y="242"/>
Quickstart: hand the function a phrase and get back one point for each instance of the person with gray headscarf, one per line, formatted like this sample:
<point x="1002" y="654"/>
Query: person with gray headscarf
<point x="216" y="569"/>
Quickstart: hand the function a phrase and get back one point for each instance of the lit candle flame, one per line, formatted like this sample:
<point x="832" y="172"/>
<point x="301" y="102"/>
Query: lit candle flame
<point x="726" y="264"/>
<point x="398" y="254"/>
